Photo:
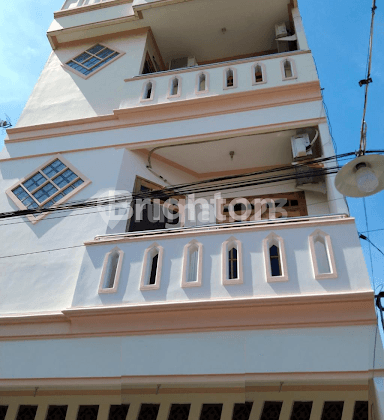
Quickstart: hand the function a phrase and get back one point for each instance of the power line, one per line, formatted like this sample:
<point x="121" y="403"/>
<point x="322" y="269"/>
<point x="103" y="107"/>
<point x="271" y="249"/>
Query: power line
<point x="40" y="252"/>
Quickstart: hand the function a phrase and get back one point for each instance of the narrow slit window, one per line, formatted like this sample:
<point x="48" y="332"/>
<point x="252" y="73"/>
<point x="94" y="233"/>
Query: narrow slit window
<point x="154" y="264"/>
<point x="230" y="78"/>
<point x="148" y="91"/>
<point x="202" y="83"/>
<point x="274" y="256"/>
<point x="175" y="87"/>
<point x="258" y="74"/>
<point x="288" y="72"/>
<point x="322" y="256"/>
<point x="110" y="277"/>
<point x="232" y="264"/>
<point x="192" y="265"/>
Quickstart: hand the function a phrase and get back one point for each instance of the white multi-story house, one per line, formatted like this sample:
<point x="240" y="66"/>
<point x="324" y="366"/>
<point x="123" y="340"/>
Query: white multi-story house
<point x="210" y="112"/>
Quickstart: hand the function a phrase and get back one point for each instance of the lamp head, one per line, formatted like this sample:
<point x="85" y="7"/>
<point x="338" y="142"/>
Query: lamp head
<point x="362" y="177"/>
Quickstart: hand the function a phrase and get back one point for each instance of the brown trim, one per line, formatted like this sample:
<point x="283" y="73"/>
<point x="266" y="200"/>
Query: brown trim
<point x="303" y="311"/>
<point x="184" y="110"/>
<point x="239" y="57"/>
<point x="55" y="43"/>
<point x="103" y="38"/>
<point x="89" y="7"/>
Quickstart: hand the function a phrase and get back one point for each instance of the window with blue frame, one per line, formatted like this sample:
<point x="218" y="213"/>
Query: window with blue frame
<point x="93" y="59"/>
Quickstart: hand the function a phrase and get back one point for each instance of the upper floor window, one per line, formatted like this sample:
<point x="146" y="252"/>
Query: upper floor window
<point x="288" y="69"/>
<point x="192" y="264"/>
<point x="93" y="59"/>
<point x="111" y="271"/>
<point x="51" y="184"/>
<point x="148" y="67"/>
<point x="202" y="83"/>
<point x="175" y="87"/>
<point x="230" y="78"/>
<point x="258" y="74"/>
<point x="151" y="271"/>
<point x="323" y="259"/>
<point x="275" y="258"/>
<point x="231" y="254"/>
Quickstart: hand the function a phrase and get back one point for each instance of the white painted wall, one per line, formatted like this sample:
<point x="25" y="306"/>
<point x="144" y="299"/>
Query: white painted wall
<point x="347" y="349"/>
<point x="61" y="95"/>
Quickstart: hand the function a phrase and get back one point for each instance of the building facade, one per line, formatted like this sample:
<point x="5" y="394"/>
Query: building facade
<point x="174" y="246"/>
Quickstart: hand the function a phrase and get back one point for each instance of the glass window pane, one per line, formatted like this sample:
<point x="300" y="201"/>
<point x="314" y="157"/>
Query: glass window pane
<point x="65" y="178"/>
<point x="54" y="168"/>
<point x="35" y="181"/>
<point x="211" y="412"/>
<point x="242" y="411"/>
<point x="332" y="410"/>
<point x="104" y="53"/>
<point x="301" y="410"/>
<point x="192" y="269"/>
<point x="88" y="412"/>
<point x="82" y="57"/>
<point x="179" y="412"/>
<point x="95" y="49"/>
<point x="148" y="411"/>
<point x="152" y="278"/>
<point x="45" y="192"/>
<point x="91" y="62"/>
<point x="118" y="412"/>
<point x="361" y="410"/>
<point x="3" y="411"/>
<point x="73" y="186"/>
<point x="20" y="193"/>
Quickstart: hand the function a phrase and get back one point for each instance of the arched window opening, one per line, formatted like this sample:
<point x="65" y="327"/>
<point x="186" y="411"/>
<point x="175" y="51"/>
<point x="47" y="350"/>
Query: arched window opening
<point x="258" y="74"/>
<point x="230" y="78"/>
<point x="153" y="273"/>
<point x="202" y="82"/>
<point x="148" y="91"/>
<point x="232" y="264"/>
<point x="274" y="256"/>
<point x="175" y="86"/>
<point x="322" y="258"/>
<point x="193" y="265"/>
<point x="110" y="277"/>
<point x="288" y="72"/>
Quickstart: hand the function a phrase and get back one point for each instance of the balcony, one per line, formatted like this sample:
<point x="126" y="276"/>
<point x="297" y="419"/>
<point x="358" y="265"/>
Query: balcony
<point x="278" y="71"/>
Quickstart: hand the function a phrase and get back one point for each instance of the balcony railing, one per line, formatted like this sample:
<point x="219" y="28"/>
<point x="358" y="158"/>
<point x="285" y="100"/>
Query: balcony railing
<point x="224" y="78"/>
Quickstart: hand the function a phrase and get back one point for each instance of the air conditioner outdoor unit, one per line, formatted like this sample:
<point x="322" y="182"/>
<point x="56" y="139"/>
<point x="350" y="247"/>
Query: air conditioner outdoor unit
<point x="281" y="30"/>
<point x="299" y="144"/>
<point x="179" y="63"/>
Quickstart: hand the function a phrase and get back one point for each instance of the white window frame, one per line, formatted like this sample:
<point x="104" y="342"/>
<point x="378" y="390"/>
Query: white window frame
<point x="330" y="254"/>
<point x="226" y="281"/>
<point x="38" y="217"/>
<point x="102" y="288"/>
<point x="270" y="240"/>
<point x="149" y="253"/>
<point x="293" y="67"/>
<point x="225" y="87"/>
<point x="83" y="76"/>
<point x="201" y="92"/>
<point x="170" y="84"/>
<point x="186" y="255"/>
<point x="142" y="99"/>
<point x="264" y="72"/>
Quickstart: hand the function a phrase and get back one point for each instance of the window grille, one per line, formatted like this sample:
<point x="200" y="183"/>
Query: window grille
<point x="271" y="410"/>
<point x="88" y="412"/>
<point x="242" y="411"/>
<point x="92" y="59"/>
<point x="211" y="412"/>
<point x="56" y="412"/>
<point x="361" y="410"/>
<point x="26" y="412"/>
<point x="332" y="410"/>
<point x="118" y="412"/>
<point x="301" y="410"/>
<point x="179" y="412"/>
<point x="148" y="411"/>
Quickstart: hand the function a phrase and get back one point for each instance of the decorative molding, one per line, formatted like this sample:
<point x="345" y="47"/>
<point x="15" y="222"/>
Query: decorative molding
<point x="149" y="253"/>
<point x="270" y="240"/>
<point x="102" y="288"/>
<point x="186" y="255"/>
<point x="329" y="250"/>
<point x="230" y="243"/>
<point x="232" y="314"/>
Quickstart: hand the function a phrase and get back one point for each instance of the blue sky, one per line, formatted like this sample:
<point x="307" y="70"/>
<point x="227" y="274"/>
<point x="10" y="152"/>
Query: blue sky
<point x="337" y="31"/>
